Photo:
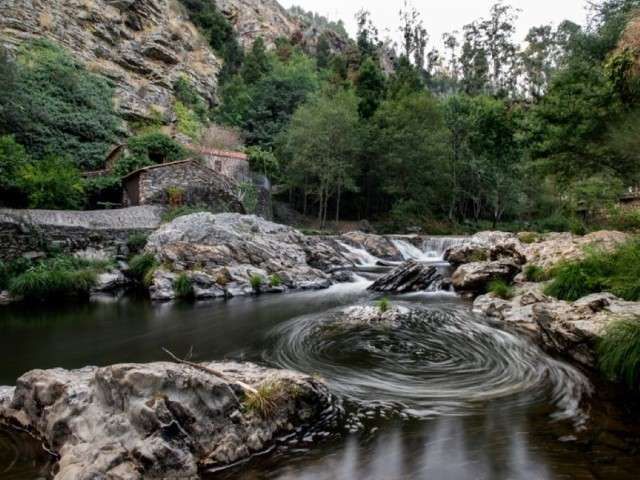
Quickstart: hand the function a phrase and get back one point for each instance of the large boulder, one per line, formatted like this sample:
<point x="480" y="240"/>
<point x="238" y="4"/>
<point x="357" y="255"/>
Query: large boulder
<point x="376" y="245"/>
<point x="161" y="420"/>
<point x="487" y="246"/>
<point x="233" y="249"/>
<point x="476" y="277"/>
<point x="411" y="276"/>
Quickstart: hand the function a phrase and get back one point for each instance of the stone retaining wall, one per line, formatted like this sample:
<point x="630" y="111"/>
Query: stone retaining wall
<point x="23" y="231"/>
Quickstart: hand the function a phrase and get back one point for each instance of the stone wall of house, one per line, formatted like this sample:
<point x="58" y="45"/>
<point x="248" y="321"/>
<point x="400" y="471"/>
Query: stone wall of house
<point x="233" y="167"/>
<point x="24" y="231"/>
<point x="199" y="186"/>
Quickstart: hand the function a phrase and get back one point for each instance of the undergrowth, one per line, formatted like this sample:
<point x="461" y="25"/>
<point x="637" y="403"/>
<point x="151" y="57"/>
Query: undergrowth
<point x="183" y="287"/>
<point x="619" y="352"/>
<point x="501" y="289"/>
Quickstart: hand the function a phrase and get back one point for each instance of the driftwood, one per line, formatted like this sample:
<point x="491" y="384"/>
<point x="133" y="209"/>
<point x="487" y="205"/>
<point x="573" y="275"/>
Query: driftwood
<point x="210" y="371"/>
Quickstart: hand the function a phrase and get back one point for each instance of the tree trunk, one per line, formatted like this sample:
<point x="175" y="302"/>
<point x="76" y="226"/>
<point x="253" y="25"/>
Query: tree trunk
<point x="338" y="204"/>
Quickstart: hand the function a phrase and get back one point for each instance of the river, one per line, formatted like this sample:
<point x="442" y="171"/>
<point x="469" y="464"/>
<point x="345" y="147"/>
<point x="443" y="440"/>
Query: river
<point x="446" y="395"/>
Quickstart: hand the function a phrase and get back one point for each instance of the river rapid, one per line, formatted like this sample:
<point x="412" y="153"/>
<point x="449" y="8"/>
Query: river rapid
<point x="444" y="394"/>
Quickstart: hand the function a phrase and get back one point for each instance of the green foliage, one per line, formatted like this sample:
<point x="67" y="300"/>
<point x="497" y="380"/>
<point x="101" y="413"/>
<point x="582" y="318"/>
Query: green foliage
<point x="264" y="161"/>
<point x="136" y="242"/>
<point x="501" y="289"/>
<point x="256" y="282"/>
<point x="275" y="280"/>
<point x="263" y="109"/>
<point x="384" y="305"/>
<point x="248" y="194"/>
<point x="183" y="287"/>
<point x="189" y="97"/>
<point x="370" y="88"/>
<point x="256" y="63"/>
<point x="534" y="273"/>
<point x="188" y="122"/>
<point x="13" y="157"/>
<point x="56" y="278"/>
<point x="529" y="237"/>
<point x="149" y="149"/>
<point x="52" y="183"/>
<point x="54" y="106"/>
<point x="142" y="267"/>
<point x="617" y="272"/>
<point x="619" y="352"/>
<point x="11" y="269"/>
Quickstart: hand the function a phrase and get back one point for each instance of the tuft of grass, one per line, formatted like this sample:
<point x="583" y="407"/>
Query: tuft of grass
<point x="619" y="352"/>
<point x="256" y="282"/>
<point x="270" y="396"/>
<point x="55" y="278"/>
<point x="534" y="273"/>
<point x="143" y="266"/>
<point x="275" y="280"/>
<point x="384" y="305"/>
<point x="183" y="287"/>
<point x="501" y="289"/>
<point x="617" y="272"/>
<point x="136" y="242"/>
<point x="528" y="237"/>
<point x="12" y="269"/>
<point x="478" y="256"/>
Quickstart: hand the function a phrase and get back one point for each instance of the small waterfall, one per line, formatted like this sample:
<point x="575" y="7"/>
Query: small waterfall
<point x="359" y="256"/>
<point x="411" y="252"/>
<point x="435" y="247"/>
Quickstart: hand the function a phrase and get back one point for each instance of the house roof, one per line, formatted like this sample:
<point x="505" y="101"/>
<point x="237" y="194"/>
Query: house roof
<point x="153" y="167"/>
<point x="218" y="153"/>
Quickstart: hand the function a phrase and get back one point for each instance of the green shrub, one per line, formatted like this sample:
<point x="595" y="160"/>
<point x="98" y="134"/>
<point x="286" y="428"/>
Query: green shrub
<point x="534" y="273"/>
<point x="256" y="282"/>
<point x="142" y="267"/>
<point x="11" y="269"/>
<point x="137" y="241"/>
<point x="269" y="397"/>
<point x="53" y="183"/>
<point x="384" y="305"/>
<point x="183" y="287"/>
<point x="149" y="149"/>
<point x="187" y="121"/>
<point x="619" y="352"/>
<point x="275" y="280"/>
<point x="54" y="106"/>
<point x="187" y="94"/>
<point x="617" y="272"/>
<point x="501" y="289"/>
<point x="13" y="157"/>
<point x="249" y="197"/>
<point x="56" y="278"/>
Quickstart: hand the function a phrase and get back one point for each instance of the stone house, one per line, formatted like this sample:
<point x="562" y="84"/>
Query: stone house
<point x="232" y="164"/>
<point x="192" y="180"/>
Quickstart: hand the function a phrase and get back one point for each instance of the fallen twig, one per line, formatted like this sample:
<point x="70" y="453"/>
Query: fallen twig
<point x="210" y="371"/>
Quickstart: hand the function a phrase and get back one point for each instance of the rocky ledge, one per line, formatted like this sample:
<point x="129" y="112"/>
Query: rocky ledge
<point x="162" y="420"/>
<point x="224" y="254"/>
<point x="571" y="329"/>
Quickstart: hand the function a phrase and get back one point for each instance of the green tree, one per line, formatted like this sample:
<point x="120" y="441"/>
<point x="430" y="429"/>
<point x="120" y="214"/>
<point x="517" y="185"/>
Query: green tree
<point x="370" y="88"/>
<point x="322" y="145"/>
<point x="52" y="183"/>
<point x="13" y="157"/>
<point x="256" y="63"/>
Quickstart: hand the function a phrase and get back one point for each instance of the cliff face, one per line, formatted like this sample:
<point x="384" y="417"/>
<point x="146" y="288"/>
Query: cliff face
<point x="259" y="18"/>
<point x="143" y="46"/>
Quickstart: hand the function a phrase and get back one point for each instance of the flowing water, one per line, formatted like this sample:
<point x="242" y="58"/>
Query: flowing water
<point x="443" y="394"/>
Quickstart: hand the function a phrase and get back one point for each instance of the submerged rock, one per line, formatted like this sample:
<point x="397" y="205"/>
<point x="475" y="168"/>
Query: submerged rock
<point x="161" y="420"/>
<point x="411" y="276"/>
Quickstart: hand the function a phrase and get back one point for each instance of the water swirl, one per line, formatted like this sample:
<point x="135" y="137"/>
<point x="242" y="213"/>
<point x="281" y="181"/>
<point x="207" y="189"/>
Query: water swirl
<point x="431" y="362"/>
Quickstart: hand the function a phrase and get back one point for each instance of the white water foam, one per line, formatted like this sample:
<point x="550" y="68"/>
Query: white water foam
<point x="359" y="256"/>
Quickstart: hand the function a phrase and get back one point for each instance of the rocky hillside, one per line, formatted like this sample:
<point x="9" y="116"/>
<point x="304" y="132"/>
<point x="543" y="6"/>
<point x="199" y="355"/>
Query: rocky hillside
<point x="143" y="46"/>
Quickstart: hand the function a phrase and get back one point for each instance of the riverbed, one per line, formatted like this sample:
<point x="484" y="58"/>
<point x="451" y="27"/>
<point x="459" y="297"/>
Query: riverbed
<point x="447" y="395"/>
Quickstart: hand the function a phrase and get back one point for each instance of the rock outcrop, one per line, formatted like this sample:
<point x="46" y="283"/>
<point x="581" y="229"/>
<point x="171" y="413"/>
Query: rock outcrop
<point x="377" y="245"/>
<point x="409" y="277"/>
<point x="161" y="420"/>
<point x="571" y="329"/>
<point x="476" y="277"/>
<point x="143" y="46"/>
<point x="230" y="251"/>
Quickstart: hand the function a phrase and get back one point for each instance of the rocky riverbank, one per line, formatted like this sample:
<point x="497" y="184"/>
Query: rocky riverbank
<point x="162" y="420"/>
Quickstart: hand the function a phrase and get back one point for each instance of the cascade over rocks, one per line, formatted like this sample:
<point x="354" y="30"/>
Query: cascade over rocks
<point x="376" y="245"/>
<point x="161" y="420"/>
<point x="411" y="276"/>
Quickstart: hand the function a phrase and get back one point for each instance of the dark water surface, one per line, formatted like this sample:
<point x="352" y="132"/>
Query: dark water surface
<point x="444" y="395"/>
